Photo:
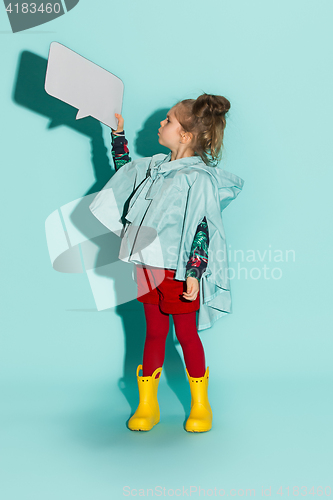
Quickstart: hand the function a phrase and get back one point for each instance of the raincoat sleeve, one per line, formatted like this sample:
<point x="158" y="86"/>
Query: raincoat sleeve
<point x="215" y="294"/>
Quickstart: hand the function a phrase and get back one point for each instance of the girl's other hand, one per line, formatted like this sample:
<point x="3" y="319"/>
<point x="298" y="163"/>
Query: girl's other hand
<point x="192" y="285"/>
<point x="120" y="127"/>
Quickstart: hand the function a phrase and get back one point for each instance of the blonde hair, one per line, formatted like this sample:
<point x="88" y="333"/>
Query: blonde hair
<point x="204" y="117"/>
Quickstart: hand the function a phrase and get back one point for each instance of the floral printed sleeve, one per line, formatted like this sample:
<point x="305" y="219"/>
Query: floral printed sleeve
<point x="198" y="259"/>
<point x="120" y="152"/>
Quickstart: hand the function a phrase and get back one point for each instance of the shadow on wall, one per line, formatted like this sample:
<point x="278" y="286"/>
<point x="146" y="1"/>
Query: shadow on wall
<point x="29" y="93"/>
<point x="146" y="142"/>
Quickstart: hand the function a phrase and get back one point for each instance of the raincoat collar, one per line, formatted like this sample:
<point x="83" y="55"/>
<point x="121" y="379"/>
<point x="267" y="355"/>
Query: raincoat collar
<point x="158" y="165"/>
<point x="222" y="177"/>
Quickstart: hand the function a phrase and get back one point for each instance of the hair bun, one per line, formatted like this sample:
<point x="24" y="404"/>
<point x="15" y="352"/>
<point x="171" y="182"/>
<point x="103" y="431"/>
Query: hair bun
<point x="208" y="104"/>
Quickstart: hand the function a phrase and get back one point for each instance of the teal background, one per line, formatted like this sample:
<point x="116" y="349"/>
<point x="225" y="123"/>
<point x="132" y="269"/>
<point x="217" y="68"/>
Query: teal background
<point x="67" y="371"/>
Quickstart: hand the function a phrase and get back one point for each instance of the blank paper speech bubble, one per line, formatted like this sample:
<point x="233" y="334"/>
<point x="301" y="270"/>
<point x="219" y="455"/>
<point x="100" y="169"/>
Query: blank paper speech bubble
<point x="84" y="85"/>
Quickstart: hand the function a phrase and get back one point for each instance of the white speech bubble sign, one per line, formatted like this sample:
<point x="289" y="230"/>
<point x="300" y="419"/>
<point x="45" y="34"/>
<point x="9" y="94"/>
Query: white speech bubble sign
<point x="93" y="90"/>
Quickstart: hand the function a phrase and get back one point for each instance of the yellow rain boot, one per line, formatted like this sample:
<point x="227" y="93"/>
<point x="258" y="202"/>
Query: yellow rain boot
<point x="148" y="413"/>
<point x="201" y="415"/>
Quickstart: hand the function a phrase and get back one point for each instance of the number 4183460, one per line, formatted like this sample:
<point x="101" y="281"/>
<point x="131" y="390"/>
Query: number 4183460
<point x="49" y="8"/>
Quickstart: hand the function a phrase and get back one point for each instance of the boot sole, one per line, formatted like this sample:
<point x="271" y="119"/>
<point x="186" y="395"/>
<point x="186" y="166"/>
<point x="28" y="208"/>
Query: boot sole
<point x="143" y="429"/>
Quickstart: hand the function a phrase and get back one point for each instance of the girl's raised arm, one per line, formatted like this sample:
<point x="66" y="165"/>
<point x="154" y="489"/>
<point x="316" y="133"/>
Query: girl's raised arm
<point x="120" y="152"/>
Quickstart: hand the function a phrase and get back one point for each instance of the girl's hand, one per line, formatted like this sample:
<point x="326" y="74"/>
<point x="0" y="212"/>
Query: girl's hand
<point x="120" y="127"/>
<point x="192" y="285"/>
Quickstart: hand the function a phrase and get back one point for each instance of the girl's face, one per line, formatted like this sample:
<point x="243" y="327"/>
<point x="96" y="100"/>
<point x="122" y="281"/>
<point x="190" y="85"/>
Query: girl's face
<point x="169" y="134"/>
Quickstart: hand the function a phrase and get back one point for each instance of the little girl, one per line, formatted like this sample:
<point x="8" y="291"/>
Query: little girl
<point x="179" y="197"/>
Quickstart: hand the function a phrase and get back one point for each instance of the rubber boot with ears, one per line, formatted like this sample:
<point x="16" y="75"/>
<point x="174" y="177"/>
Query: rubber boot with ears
<point x="201" y="415"/>
<point x="148" y="413"/>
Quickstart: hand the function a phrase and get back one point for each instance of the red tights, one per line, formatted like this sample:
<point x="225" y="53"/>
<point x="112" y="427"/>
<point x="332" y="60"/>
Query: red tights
<point x="186" y="332"/>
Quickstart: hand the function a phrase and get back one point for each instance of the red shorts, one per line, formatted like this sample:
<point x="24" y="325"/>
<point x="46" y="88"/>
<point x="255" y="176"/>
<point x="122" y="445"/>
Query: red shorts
<point x="158" y="286"/>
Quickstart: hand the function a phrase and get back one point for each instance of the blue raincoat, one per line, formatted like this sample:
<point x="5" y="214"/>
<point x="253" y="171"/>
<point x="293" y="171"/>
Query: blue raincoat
<point x="155" y="206"/>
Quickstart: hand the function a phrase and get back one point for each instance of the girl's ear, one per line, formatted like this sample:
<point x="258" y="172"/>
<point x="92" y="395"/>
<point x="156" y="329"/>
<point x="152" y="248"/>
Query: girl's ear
<point x="186" y="137"/>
